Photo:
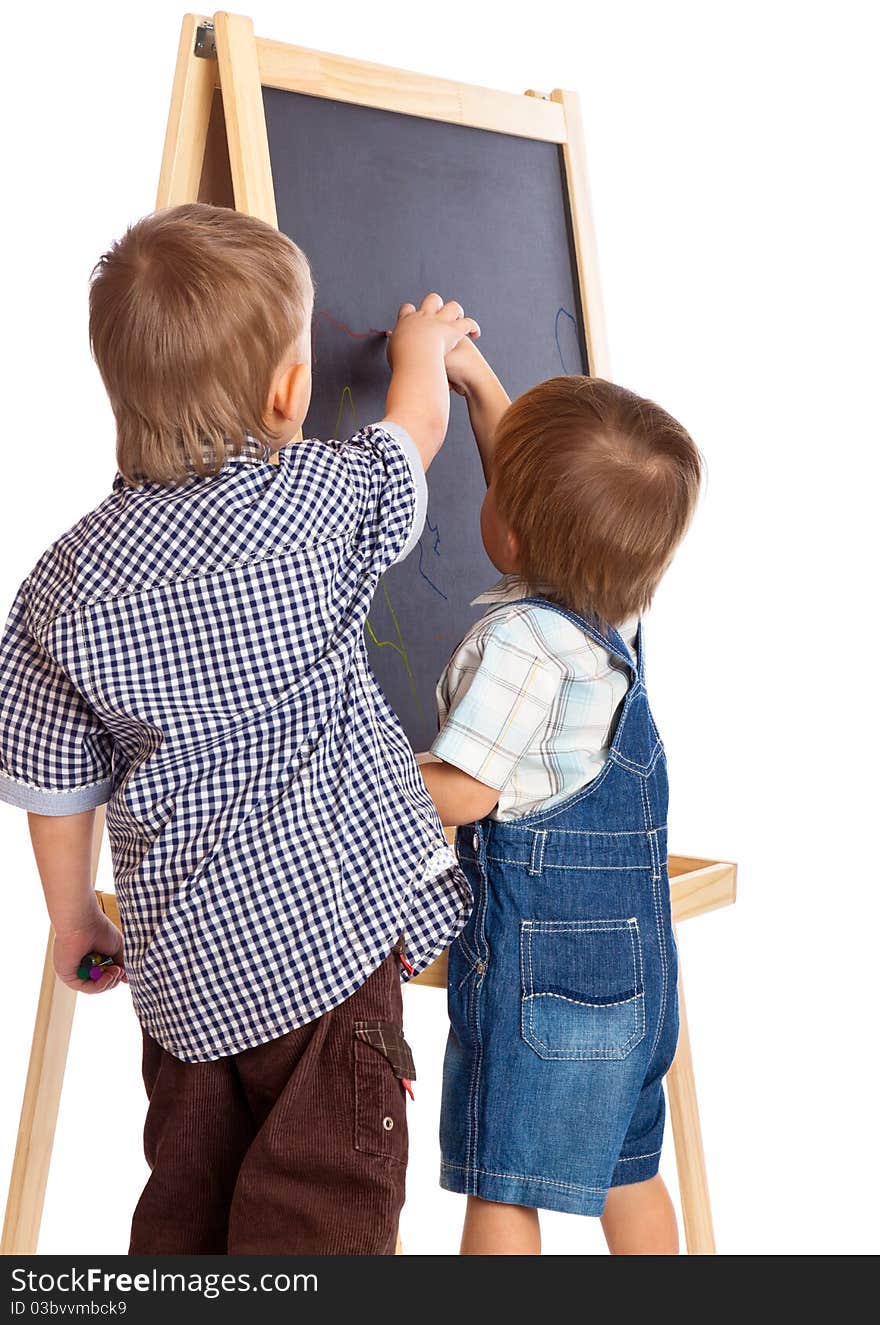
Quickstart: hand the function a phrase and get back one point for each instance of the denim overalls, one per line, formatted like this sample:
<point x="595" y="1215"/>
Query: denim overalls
<point x="562" y="986"/>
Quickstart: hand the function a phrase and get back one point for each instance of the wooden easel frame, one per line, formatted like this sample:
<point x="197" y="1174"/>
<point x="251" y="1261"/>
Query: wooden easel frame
<point x="217" y="150"/>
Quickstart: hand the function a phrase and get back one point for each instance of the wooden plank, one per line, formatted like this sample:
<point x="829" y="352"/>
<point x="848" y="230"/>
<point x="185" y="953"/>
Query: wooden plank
<point x="320" y="74"/>
<point x="108" y="905"/>
<point x="574" y="158"/>
<point x="246" y="134"/>
<point x="42" y="1094"/>
<point x="39" y="1112"/>
<point x="434" y="976"/>
<point x="703" y="890"/>
<point x="188" y="117"/>
<point x="686" y="864"/>
<point x="693" y="1183"/>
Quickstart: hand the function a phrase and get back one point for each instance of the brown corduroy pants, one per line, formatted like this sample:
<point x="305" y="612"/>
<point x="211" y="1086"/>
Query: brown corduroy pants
<point x="297" y="1146"/>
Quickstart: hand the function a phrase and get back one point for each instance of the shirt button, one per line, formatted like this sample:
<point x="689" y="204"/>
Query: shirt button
<point x="476" y="841"/>
<point x="388" y="1123"/>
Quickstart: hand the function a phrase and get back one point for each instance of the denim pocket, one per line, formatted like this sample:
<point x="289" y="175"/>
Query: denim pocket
<point x="582" y="988"/>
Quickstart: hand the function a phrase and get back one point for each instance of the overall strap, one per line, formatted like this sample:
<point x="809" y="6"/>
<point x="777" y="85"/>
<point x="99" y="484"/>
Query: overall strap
<point x="612" y="640"/>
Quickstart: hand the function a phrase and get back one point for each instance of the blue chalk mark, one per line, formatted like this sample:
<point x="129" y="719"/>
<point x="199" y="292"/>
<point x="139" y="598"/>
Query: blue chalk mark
<point x="563" y="312"/>
<point x="435" y="530"/>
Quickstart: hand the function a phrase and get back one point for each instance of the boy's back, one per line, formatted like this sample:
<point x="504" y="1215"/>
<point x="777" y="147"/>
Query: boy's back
<point x="266" y="818"/>
<point x="192" y="654"/>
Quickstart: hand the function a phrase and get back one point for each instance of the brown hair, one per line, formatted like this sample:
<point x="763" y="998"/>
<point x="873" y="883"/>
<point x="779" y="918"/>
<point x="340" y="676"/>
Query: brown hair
<point x="190" y="314"/>
<point x="599" y="486"/>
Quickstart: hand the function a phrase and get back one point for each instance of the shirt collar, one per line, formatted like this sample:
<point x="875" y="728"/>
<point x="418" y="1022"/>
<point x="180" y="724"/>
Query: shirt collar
<point x="250" y="452"/>
<point x="509" y="589"/>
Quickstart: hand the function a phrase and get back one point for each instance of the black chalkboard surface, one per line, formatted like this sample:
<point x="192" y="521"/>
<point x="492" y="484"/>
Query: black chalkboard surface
<point x="388" y="207"/>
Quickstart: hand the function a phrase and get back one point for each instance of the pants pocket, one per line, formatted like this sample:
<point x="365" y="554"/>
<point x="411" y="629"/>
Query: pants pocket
<point x="382" y="1060"/>
<point x="582" y="988"/>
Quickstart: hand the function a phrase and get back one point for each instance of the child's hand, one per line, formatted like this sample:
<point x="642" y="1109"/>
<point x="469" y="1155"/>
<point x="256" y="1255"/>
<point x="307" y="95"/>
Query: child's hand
<point x="465" y="366"/>
<point x="433" y="327"/>
<point x="98" y="935"/>
<point x="418" y="393"/>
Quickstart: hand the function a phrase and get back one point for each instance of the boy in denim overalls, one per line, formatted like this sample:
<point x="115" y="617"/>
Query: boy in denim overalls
<point x="562" y="986"/>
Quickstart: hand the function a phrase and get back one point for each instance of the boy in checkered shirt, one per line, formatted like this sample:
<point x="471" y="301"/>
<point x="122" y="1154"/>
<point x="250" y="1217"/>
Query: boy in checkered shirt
<point x="191" y="654"/>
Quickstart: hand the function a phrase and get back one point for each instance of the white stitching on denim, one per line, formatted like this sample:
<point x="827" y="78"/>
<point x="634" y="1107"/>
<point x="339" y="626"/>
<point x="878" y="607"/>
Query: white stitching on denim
<point x="636" y="936"/>
<point x="639" y="770"/>
<point x="466" y="947"/>
<point x="539" y="840"/>
<point x="628" y="1159"/>
<point x="584" y="926"/>
<point x="664" y="990"/>
<point x="511" y="860"/>
<point x="656" y="877"/>
<point x="467" y="975"/>
<point x="581" y="1003"/>
<point x="612" y="868"/>
<point x="578" y="832"/>
<point x="525" y="1177"/>
<point x="476" y="1025"/>
<point x="475" y="1074"/>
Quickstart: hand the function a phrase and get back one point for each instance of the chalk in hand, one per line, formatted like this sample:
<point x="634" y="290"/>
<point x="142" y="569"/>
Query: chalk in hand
<point x="92" y="966"/>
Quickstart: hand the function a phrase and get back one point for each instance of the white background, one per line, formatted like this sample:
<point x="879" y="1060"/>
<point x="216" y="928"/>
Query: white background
<point x="733" y="157"/>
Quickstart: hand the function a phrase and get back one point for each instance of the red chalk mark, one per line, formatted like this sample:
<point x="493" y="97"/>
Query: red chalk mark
<point x="355" y="335"/>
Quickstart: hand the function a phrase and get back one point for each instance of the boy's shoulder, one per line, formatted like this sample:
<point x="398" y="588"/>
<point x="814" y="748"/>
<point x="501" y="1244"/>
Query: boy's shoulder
<point x="54" y="582"/>
<point x="142" y="536"/>
<point x="511" y="617"/>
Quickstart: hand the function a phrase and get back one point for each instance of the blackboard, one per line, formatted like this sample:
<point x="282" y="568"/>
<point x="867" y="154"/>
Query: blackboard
<point x="387" y="207"/>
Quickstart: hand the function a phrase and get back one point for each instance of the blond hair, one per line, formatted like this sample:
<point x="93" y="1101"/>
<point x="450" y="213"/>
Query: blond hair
<point x="599" y="486"/>
<point x="190" y="314"/>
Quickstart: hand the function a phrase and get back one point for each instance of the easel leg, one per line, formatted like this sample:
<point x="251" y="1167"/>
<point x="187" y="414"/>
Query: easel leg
<point x="690" y="1160"/>
<point x="39" y="1112"/>
<point x="42" y="1096"/>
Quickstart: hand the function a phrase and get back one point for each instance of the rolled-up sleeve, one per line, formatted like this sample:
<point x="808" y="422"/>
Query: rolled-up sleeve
<point x="55" y="755"/>
<point x="499" y="703"/>
<point x="391" y="493"/>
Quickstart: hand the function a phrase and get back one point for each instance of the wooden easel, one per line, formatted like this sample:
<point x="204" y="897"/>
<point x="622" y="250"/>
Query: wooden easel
<point x="216" y="150"/>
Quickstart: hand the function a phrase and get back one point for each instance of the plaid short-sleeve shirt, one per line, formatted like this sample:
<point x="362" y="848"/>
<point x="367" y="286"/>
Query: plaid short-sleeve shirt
<point x="527" y="702"/>
<point x="194" y="656"/>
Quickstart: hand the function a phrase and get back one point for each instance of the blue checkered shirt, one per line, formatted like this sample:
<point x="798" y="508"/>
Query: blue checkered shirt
<point x="194" y="657"/>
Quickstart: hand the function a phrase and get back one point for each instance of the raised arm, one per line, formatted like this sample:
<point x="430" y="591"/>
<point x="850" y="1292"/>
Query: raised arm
<point x="471" y="376"/>
<point x="418" y="394"/>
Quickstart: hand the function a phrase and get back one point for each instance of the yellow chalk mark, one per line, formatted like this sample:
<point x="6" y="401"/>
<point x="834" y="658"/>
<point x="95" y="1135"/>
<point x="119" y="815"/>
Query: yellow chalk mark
<point x="399" y="648"/>
<point x="346" y="396"/>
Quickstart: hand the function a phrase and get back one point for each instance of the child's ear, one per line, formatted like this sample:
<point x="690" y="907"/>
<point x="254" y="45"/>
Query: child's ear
<point x="290" y="392"/>
<point x="512" y="547"/>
